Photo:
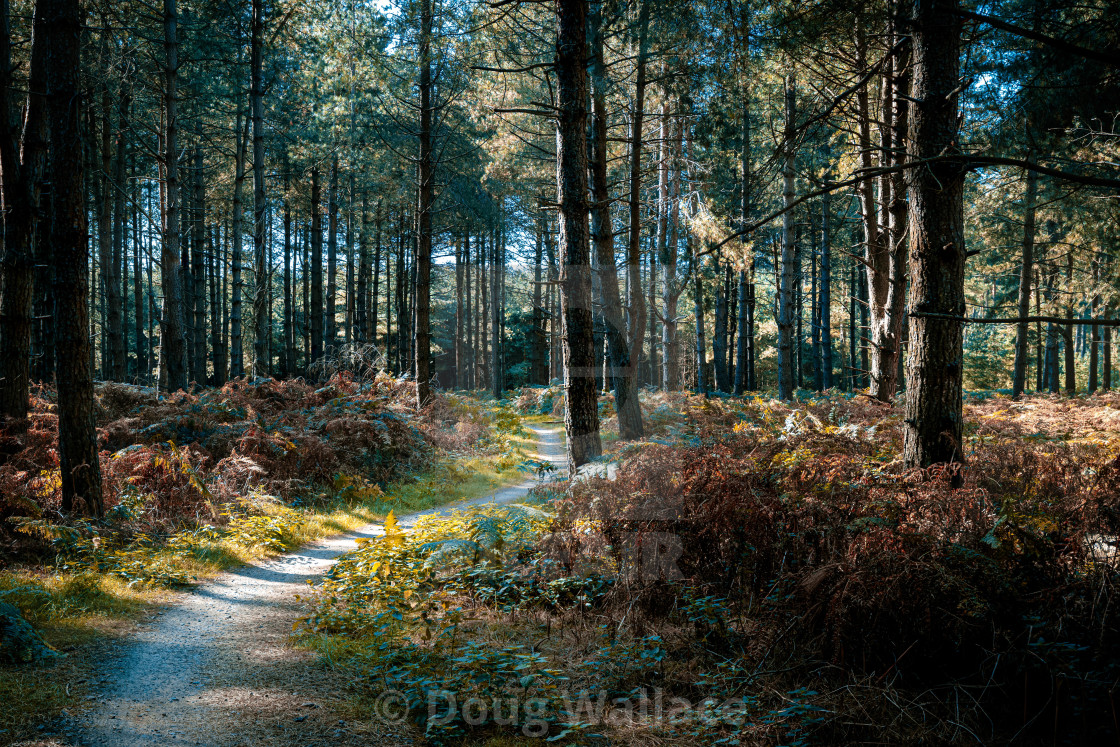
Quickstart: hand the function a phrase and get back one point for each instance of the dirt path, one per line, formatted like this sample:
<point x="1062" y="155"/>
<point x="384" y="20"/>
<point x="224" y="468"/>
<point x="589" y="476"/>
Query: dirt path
<point x="217" y="669"/>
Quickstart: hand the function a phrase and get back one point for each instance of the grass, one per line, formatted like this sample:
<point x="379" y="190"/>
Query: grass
<point x="81" y="613"/>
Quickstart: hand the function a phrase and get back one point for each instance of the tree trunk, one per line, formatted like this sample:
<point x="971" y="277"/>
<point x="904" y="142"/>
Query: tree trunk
<point x="217" y="344"/>
<point x="785" y="285"/>
<point x="237" y="352"/>
<point x="497" y="260"/>
<point x="897" y="208"/>
<point x="315" y="310"/>
<point x="1106" y="361"/>
<point x="108" y="234"/>
<point x="142" y="368"/>
<point x="638" y="310"/>
<point x="621" y="375"/>
<point x="261" y="300"/>
<point x="361" y="302"/>
<point x="288" y="357"/>
<point x="698" y="312"/>
<point x="581" y="419"/>
<point x="1071" y="371"/>
<point x="720" y="334"/>
<point x="21" y="175"/>
<point x="885" y="273"/>
<point x="350" y="310"/>
<point x="332" y="259"/>
<point x="538" y="372"/>
<point x="198" y="279"/>
<point x="173" y="345"/>
<point x="424" y="187"/>
<point x="1026" y="272"/>
<point x="1095" y="334"/>
<point x="826" y="290"/>
<point x="933" y="426"/>
<point x="371" y="332"/>
<point x="77" y="437"/>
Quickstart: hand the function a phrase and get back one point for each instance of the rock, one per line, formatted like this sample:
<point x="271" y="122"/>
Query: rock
<point x="19" y="642"/>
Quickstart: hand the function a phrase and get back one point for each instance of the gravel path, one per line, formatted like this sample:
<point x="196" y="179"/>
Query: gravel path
<point x="217" y="668"/>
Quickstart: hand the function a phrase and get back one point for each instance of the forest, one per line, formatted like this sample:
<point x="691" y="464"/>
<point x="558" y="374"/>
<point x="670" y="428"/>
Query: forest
<point x="598" y="372"/>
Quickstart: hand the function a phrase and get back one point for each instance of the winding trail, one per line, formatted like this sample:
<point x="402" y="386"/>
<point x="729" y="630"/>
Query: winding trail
<point x="217" y="668"/>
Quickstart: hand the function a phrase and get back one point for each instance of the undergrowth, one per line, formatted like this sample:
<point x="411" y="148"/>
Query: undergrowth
<point x="758" y="572"/>
<point x="198" y="483"/>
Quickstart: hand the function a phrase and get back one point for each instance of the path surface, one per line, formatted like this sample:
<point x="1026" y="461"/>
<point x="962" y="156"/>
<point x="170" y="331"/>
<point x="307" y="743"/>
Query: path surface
<point x="217" y="669"/>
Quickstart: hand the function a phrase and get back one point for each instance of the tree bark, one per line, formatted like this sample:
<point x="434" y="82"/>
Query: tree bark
<point x="638" y="310"/>
<point x="621" y="372"/>
<point x="933" y="425"/>
<point x="173" y="345"/>
<point x="237" y="351"/>
<point x="581" y="419"/>
<point x="424" y="188"/>
<point x="22" y="165"/>
<point x="332" y="258"/>
<point x="1026" y="272"/>
<point x="720" y="333"/>
<point x="288" y="357"/>
<point x="785" y="290"/>
<point x="198" y="279"/>
<point x="77" y="437"/>
<point x="261" y="301"/>
<point x="315" y="310"/>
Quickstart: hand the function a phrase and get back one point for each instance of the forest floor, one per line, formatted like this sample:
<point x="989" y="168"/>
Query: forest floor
<point x="816" y="590"/>
<point x="217" y="668"/>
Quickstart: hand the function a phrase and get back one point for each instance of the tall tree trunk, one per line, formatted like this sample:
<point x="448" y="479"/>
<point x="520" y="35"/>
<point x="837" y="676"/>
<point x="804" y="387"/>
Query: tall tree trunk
<point x="108" y="235"/>
<point x="289" y="355"/>
<point x="670" y="290"/>
<point x="622" y="378"/>
<point x="497" y="261"/>
<point x="21" y="175"/>
<point x="332" y="257"/>
<point x="852" y="381"/>
<point x="1095" y="333"/>
<point x="933" y="426"/>
<point x="814" y="305"/>
<point x="1106" y="361"/>
<point x="883" y="270"/>
<point x="744" y="348"/>
<point x="698" y="313"/>
<point x="786" y="359"/>
<point x="581" y="418"/>
<point x="237" y="351"/>
<point x="538" y="374"/>
<point x="402" y="319"/>
<point x="315" y="310"/>
<point x="826" y="290"/>
<point x="371" y="332"/>
<point x="142" y="368"/>
<point x="261" y="297"/>
<point x="77" y="437"/>
<point x="173" y="345"/>
<point x="348" y="332"/>
<point x="1067" y="330"/>
<point x="361" y="305"/>
<point x="897" y="234"/>
<point x="1026" y="272"/>
<point x="720" y="334"/>
<point x="198" y="279"/>
<point x="423" y="263"/>
<point x="217" y="295"/>
<point x="638" y="310"/>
